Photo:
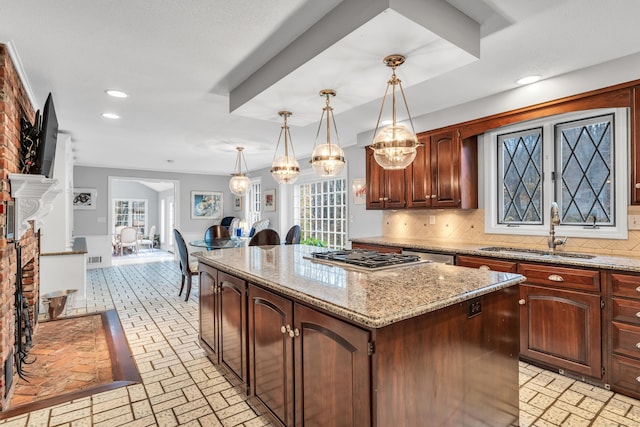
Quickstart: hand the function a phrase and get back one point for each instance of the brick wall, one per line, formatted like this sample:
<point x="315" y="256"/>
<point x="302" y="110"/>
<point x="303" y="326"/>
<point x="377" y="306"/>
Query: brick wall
<point x="14" y="104"/>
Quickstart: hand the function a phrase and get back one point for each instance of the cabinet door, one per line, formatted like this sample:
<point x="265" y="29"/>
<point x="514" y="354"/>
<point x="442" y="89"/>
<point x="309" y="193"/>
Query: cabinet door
<point x="395" y="189"/>
<point x="375" y="182"/>
<point x="233" y="351"/>
<point x="209" y="315"/>
<point x="419" y="174"/>
<point x="445" y="169"/>
<point x="332" y="371"/>
<point x="561" y="328"/>
<point x="271" y="352"/>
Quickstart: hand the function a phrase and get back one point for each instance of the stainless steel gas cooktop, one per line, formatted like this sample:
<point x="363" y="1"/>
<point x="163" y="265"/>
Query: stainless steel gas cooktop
<point x="369" y="260"/>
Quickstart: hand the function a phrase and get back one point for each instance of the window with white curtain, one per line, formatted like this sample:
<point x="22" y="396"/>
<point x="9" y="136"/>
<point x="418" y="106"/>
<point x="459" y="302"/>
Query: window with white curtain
<point x="576" y="159"/>
<point x="320" y="208"/>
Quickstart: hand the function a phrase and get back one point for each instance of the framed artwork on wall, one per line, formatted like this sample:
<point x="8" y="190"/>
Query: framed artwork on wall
<point x="206" y="205"/>
<point x="359" y="187"/>
<point x="269" y="200"/>
<point x="84" y="198"/>
<point x="237" y="203"/>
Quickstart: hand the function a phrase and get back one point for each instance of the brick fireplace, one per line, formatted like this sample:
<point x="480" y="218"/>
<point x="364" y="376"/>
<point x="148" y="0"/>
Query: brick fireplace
<point x="14" y="104"/>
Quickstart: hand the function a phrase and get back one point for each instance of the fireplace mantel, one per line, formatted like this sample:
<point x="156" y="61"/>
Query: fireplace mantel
<point x="34" y="196"/>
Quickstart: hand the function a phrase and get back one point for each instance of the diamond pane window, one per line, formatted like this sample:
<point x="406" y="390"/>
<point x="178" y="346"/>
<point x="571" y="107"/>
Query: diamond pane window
<point x="585" y="189"/>
<point x="520" y="177"/>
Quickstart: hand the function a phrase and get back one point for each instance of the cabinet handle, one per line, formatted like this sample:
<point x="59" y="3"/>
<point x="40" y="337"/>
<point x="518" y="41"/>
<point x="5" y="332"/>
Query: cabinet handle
<point x="637" y="184"/>
<point x="283" y="329"/>
<point x="638" y="314"/>
<point x="556" y="278"/>
<point x="638" y="345"/>
<point x="522" y="301"/>
<point x="380" y="199"/>
<point x="433" y="196"/>
<point x="296" y="332"/>
<point x="638" y="289"/>
<point x="638" y="379"/>
<point x="386" y="198"/>
<point x="484" y="267"/>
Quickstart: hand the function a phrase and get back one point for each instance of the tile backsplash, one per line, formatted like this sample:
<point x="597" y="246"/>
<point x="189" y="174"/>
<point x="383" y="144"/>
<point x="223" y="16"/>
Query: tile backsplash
<point x="467" y="226"/>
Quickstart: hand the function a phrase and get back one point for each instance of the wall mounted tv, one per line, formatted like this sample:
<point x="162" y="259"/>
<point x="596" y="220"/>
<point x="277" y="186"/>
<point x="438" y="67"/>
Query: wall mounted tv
<point x="47" y="139"/>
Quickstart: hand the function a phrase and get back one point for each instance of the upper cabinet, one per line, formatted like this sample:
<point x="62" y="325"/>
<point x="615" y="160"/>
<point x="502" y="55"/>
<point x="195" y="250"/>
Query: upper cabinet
<point x="444" y="174"/>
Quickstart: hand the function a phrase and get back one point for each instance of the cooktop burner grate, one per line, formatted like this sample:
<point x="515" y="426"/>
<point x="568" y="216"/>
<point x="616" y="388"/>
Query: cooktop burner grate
<point x="364" y="258"/>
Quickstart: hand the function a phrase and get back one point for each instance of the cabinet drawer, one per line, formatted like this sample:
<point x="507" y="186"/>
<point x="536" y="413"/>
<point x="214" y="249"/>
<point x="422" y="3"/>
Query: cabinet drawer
<point x="625" y="374"/>
<point x="626" y="339"/>
<point x="486" y="263"/>
<point x="625" y="310"/>
<point x="625" y="285"/>
<point x="560" y="277"/>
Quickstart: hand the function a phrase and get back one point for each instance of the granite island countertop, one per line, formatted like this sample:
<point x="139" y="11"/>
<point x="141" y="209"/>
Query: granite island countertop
<point x="605" y="262"/>
<point x="371" y="299"/>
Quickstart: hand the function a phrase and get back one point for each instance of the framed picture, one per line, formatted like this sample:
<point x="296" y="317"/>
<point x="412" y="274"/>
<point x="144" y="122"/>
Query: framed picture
<point x="85" y="198"/>
<point x="206" y="205"/>
<point x="359" y="187"/>
<point x="237" y="203"/>
<point x="269" y="200"/>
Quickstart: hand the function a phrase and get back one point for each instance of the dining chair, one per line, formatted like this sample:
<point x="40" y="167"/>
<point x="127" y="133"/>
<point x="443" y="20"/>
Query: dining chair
<point x="129" y="239"/>
<point x="265" y="237"/>
<point x="149" y="240"/>
<point x="226" y="221"/>
<point x="216" y="232"/>
<point x="259" y="225"/>
<point x="293" y="236"/>
<point x="186" y="269"/>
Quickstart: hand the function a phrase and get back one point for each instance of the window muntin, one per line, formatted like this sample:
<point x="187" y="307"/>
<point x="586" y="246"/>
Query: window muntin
<point x="520" y="170"/>
<point x="585" y="188"/>
<point x="320" y="208"/>
<point x="130" y="213"/>
<point x="492" y="170"/>
<point x="255" y="204"/>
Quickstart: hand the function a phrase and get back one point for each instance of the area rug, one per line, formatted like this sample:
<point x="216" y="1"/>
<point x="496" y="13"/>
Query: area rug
<point x="73" y="357"/>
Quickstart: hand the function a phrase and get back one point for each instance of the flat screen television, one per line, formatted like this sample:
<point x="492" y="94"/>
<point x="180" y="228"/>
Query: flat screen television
<point x="48" y="138"/>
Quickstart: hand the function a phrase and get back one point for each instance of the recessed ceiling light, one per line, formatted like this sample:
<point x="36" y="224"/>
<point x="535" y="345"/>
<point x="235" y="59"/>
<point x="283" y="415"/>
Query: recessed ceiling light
<point x="528" y="80"/>
<point x="110" y="116"/>
<point x="116" y="93"/>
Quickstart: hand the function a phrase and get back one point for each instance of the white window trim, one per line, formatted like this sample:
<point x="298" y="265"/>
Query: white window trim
<point x="488" y="170"/>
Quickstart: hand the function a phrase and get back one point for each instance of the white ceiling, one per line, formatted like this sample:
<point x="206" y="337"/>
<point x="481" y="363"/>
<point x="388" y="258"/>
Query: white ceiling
<point x="180" y="61"/>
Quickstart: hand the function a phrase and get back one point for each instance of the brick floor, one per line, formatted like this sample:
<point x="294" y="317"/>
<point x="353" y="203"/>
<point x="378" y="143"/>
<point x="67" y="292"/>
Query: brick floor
<point x="182" y="388"/>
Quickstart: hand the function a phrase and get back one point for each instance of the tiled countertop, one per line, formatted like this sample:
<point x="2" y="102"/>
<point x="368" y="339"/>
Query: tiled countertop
<point x="630" y="263"/>
<point x="371" y="299"/>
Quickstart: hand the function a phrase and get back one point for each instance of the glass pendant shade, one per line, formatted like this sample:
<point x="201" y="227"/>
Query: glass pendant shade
<point x="239" y="183"/>
<point x="285" y="169"/>
<point x="394" y="146"/>
<point x="327" y="159"/>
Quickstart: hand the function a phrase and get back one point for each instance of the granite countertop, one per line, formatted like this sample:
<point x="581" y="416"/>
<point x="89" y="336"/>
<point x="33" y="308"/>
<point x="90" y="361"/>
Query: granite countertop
<point x="631" y="264"/>
<point x="371" y="299"/>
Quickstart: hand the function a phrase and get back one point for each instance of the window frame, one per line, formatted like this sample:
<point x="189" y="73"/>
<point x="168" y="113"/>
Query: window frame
<point x="488" y="171"/>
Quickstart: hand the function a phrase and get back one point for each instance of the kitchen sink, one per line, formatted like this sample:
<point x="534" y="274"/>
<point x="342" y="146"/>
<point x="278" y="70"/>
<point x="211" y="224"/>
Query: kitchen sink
<point x="536" y="252"/>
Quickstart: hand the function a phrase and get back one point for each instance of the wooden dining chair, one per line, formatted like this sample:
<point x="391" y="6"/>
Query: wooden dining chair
<point x="265" y="237"/>
<point x="186" y="269"/>
<point x="293" y="236"/>
<point x="216" y="232"/>
<point x="129" y="239"/>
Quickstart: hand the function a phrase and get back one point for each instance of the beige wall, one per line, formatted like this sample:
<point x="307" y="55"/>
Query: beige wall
<point x="467" y="226"/>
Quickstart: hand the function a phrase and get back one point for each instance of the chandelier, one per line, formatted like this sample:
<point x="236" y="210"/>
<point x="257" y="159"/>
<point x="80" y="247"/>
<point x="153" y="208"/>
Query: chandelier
<point x="239" y="183"/>
<point x="285" y="169"/>
<point x="394" y="147"/>
<point x="328" y="159"/>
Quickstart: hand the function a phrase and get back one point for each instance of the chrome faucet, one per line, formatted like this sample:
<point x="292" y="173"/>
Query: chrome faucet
<point x="554" y="219"/>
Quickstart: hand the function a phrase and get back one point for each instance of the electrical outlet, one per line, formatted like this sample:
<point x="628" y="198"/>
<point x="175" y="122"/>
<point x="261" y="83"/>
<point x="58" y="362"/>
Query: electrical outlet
<point x="634" y="222"/>
<point x="432" y="219"/>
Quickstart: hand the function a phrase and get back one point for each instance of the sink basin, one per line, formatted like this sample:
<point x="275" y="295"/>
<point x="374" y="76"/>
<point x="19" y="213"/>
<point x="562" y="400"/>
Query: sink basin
<point x="536" y="252"/>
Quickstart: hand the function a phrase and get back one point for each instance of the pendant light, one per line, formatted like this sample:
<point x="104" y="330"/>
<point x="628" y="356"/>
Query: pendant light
<point x="239" y="183"/>
<point x="285" y="169"/>
<point x="394" y="147"/>
<point x="328" y="159"/>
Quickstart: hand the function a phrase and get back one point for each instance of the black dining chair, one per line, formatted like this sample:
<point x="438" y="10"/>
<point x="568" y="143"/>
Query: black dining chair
<point x="226" y="221"/>
<point x="186" y="269"/>
<point x="216" y="232"/>
<point x="293" y="236"/>
<point x="265" y="237"/>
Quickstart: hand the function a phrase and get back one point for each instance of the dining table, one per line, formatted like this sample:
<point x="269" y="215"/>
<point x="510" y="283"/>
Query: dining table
<point x="211" y="244"/>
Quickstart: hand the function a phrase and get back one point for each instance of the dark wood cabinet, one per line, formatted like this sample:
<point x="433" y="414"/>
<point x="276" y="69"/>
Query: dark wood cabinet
<point x="444" y="174"/>
<point x="560" y="318"/>
<point x="624" y="333"/>
<point x="301" y="357"/>
<point x="386" y="189"/>
<point x="233" y="314"/>
<point x="208" y="279"/>
<point x="486" y="263"/>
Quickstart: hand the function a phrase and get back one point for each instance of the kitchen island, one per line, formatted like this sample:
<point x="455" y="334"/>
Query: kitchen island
<point x="326" y="345"/>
